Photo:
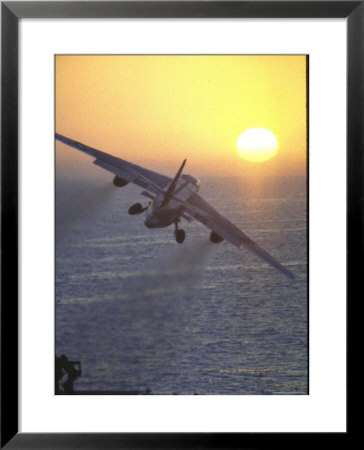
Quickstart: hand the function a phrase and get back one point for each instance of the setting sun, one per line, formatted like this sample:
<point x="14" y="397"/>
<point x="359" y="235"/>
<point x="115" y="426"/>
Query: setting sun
<point x="257" y="144"/>
<point x="156" y="110"/>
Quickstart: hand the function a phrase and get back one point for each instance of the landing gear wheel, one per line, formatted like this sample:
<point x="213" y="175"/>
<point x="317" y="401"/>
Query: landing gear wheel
<point x="137" y="208"/>
<point x="180" y="235"/>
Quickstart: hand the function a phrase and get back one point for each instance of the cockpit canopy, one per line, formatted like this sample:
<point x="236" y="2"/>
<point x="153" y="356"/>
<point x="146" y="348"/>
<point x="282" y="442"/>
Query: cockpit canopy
<point x="191" y="179"/>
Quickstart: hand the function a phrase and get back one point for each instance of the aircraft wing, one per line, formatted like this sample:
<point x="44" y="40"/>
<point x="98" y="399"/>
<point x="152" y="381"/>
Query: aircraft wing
<point x="200" y="210"/>
<point x="147" y="179"/>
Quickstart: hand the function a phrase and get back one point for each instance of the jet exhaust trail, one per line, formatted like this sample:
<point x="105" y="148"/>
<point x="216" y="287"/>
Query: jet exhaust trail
<point x="176" y="273"/>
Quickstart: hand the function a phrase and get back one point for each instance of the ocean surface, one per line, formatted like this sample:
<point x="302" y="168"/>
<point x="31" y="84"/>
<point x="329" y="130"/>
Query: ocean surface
<point x="140" y="311"/>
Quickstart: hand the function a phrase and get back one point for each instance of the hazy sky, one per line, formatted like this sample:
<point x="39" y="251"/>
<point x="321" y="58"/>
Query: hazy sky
<point x="157" y="110"/>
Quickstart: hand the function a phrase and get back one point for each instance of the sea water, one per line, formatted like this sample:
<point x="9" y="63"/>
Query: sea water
<point x="140" y="311"/>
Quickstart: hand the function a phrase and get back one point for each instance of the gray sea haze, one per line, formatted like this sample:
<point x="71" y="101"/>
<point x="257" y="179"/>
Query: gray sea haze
<point x="141" y="311"/>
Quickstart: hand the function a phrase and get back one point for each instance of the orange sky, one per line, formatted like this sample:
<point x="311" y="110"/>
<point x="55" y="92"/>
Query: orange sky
<point x="157" y="110"/>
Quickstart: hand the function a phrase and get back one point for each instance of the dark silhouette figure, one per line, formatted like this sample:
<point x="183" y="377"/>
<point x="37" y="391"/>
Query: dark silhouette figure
<point x="59" y="372"/>
<point x="66" y="367"/>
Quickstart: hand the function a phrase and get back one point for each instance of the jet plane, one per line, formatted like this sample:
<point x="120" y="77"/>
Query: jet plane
<point x="171" y="200"/>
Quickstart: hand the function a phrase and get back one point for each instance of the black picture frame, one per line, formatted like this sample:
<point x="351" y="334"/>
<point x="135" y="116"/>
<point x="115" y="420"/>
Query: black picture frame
<point x="11" y="12"/>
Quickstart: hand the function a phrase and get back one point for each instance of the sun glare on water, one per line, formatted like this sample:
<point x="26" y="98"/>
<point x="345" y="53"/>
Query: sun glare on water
<point x="257" y="144"/>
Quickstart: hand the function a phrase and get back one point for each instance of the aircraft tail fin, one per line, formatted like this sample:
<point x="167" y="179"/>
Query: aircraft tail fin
<point x="172" y="186"/>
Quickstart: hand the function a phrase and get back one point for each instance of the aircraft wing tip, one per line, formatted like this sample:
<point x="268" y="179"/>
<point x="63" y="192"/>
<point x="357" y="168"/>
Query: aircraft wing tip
<point x="288" y="273"/>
